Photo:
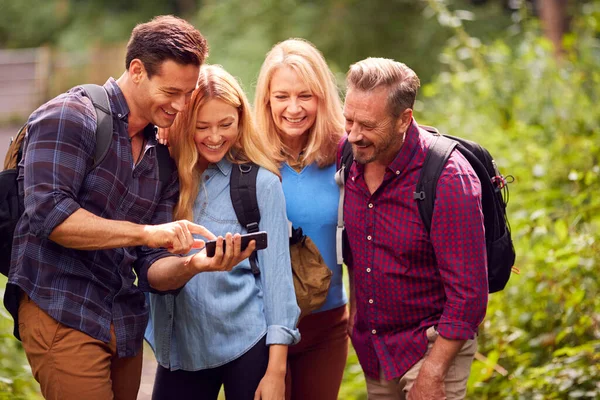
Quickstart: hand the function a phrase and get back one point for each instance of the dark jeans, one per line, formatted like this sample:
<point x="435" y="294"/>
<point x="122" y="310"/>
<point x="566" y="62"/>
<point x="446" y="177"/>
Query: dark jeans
<point x="240" y="378"/>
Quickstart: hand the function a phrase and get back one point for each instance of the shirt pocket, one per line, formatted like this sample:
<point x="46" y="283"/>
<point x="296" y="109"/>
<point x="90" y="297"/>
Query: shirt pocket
<point x="141" y="199"/>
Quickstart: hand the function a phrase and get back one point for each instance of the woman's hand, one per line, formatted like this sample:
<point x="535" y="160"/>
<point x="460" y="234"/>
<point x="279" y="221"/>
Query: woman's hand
<point x="163" y="136"/>
<point x="271" y="387"/>
<point x="222" y="260"/>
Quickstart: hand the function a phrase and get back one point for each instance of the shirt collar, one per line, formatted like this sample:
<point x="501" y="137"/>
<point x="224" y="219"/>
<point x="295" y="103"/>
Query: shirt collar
<point x="119" y="105"/>
<point x="404" y="156"/>
<point x="407" y="151"/>
<point x="224" y="166"/>
<point x="120" y="109"/>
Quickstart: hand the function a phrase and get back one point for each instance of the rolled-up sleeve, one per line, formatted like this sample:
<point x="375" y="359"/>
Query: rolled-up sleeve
<point x="458" y="238"/>
<point x="59" y="150"/>
<point x="281" y="309"/>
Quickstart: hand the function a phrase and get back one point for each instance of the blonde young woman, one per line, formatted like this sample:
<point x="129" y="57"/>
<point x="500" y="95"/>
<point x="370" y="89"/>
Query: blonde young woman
<point x="297" y="107"/>
<point x="228" y="329"/>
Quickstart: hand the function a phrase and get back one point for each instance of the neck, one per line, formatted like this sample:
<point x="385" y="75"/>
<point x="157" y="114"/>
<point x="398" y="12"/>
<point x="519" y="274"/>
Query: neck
<point x="135" y="122"/>
<point x="295" y="145"/>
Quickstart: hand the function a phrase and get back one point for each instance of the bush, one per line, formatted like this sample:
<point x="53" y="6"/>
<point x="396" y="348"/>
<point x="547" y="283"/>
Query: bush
<point x="537" y="115"/>
<point x="16" y="381"/>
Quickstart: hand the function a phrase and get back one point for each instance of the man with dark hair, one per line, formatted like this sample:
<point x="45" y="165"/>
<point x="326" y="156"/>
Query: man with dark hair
<point x="416" y="297"/>
<point x="87" y="235"/>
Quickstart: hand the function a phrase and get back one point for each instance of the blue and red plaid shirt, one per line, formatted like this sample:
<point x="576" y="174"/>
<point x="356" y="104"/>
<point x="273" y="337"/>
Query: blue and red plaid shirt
<point x="405" y="279"/>
<point x="87" y="290"/>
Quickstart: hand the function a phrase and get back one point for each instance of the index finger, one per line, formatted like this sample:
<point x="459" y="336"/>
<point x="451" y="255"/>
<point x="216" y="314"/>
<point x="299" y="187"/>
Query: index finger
<point x="200" y="230"/>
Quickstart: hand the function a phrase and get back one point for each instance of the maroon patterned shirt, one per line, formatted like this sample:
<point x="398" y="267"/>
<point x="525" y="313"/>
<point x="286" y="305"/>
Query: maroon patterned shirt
<point x="405" y="279"/>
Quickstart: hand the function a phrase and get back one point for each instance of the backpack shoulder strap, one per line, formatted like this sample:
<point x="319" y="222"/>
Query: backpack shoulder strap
<point x="104" y="119"/>
<point x="437" y="155"/>
<point x="345" y="159"/>
<point x="242" y="188"/>
<point x="165" y="163"/>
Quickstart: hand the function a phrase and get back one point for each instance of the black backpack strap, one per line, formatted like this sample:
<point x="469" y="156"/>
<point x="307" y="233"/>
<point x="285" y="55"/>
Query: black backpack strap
<point x="437" y="155"/>
<point x="104" y="120"/>
<point x="165" y="163"/>
<point x="242" y="188"/>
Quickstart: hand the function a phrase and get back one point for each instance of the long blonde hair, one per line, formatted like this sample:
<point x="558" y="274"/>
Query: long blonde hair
<point x="214" y="83"/>
<point x="309" y="64"/>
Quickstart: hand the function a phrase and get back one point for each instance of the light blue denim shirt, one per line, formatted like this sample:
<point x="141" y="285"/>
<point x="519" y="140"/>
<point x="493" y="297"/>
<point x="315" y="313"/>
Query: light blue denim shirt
<point x="218" y="316"/>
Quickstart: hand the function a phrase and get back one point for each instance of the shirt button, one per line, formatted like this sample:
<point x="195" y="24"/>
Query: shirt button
<point x="119" y="115"/>
<point x="397" y="172"/>
<point x="370" y="205"/>
<point x="373" y="331"/>
<point x="370" y="301"/>
<point x="352" y="179"/>
<point x="369" y="237"/>
<point x="368" y="269"/>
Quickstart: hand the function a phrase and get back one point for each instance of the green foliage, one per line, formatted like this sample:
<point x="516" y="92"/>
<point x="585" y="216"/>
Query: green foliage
<point x="16" y="382"/>
<point x="540" y="120"/>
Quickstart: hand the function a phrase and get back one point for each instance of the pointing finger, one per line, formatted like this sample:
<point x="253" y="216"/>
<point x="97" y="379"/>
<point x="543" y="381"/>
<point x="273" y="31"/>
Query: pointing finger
<point x="200" y="230"/>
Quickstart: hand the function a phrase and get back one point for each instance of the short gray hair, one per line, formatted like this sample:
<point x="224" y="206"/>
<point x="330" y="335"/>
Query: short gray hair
<point x="402" y="82"/>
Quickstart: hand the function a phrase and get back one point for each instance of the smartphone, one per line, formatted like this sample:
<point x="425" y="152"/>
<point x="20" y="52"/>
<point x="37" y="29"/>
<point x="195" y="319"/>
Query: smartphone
<point x="260" y="237"/>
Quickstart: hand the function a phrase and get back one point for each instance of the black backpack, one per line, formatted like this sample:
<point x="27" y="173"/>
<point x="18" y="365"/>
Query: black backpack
<point x="500" y="250"/>
<point x="11" y="203"/>
<point x="242" y="187"/>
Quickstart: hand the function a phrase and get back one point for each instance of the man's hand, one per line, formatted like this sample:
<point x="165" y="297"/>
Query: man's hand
<point x="429" y="385"/>
<point x="176" y="236"/>
<point x="222" y="260"/>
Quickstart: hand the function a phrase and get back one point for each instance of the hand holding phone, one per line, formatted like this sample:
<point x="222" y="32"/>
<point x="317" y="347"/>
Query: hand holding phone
<point x="259" y="237"/>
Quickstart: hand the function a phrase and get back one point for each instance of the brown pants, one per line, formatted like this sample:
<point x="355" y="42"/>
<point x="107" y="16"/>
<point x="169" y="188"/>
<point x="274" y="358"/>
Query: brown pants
<point x="316" y="364"/>
<point x="455" y="383"/>
<point x="71" y="365"/>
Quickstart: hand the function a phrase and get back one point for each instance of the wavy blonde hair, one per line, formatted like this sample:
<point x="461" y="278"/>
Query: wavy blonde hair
<point x="214" y="83"/>
<point x="323" y="137"/>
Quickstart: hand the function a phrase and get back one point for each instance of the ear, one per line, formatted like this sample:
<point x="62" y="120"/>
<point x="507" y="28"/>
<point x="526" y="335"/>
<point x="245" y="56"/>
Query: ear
<point x="137" y="72"/>
<point x="404" y="120"/>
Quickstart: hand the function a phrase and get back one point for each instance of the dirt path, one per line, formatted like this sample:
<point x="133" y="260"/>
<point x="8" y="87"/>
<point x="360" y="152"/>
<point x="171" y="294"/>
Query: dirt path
<point x="148" y="372"/>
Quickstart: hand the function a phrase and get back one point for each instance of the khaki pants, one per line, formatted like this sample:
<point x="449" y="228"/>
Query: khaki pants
<point x="455" y="383"/>
<point x="71" y="365"/>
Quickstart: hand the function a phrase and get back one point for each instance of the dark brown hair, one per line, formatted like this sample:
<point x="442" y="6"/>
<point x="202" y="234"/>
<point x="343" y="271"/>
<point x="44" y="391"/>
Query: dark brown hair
<point x="166" y="38"/>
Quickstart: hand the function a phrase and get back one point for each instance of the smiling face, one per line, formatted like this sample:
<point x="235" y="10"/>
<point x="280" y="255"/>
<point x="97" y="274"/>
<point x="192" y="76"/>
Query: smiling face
<point x="293" y="105"/>
<point x="375" y="135"/>
<point x="216" y="131"/>
<point x="166" y="93"/>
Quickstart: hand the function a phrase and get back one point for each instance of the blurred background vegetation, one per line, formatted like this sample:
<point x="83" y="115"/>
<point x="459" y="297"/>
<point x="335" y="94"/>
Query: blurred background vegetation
<point x="520" y="77"/>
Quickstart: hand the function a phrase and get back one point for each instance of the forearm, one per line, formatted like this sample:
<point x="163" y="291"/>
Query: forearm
<point x="83" y="230"/>
<point x="170" y="273"/>
<point x="277" y="360"/>
<point x="443" y="352"/>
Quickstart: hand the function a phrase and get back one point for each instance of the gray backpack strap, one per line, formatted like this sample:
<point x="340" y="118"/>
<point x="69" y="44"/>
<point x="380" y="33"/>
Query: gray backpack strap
<point x="345" y="159"/>
<point x="437" y="156"/>
<point x="104" y="119"/>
